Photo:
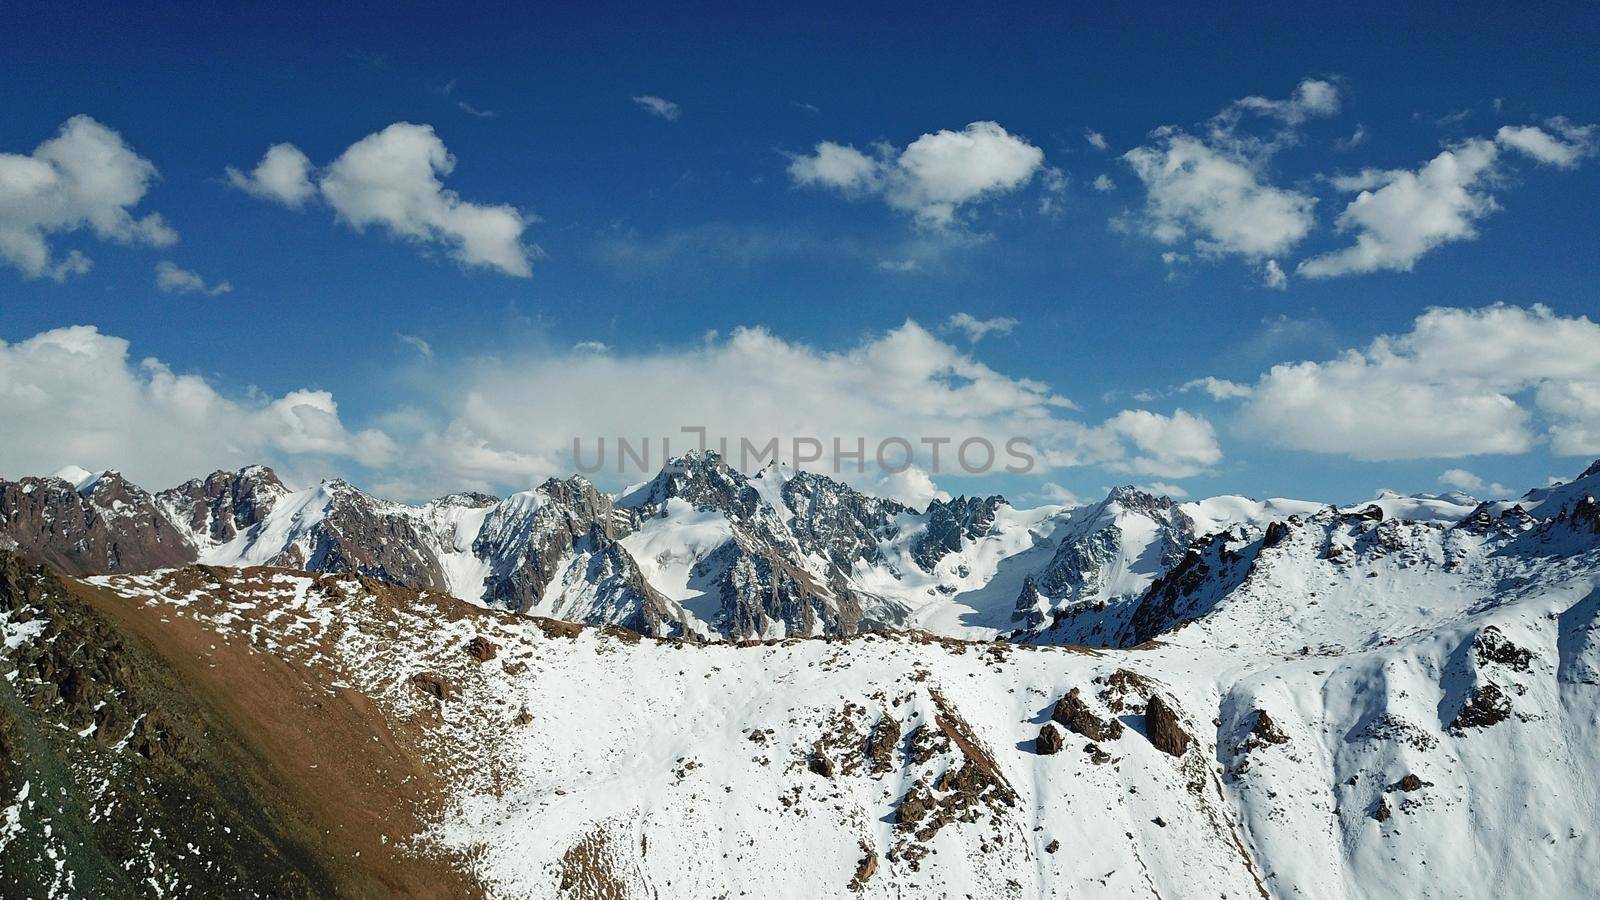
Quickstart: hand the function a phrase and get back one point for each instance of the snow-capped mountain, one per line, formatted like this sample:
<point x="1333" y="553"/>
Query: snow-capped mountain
<point x="1282" y="699"/>
<point x="705" y="551"/>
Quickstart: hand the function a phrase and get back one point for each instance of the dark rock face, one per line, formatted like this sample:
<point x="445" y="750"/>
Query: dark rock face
<point x="1073" y="713"/>
<point x="839" y="522"/>
<point x="435" y="685"/>
<point x="1491" y="647"/>
<point x="1050" y="740"/>
<point x="1164" y="729"/>
<point x="757" y="576"/>
<point x="527" y="538"/>
<point x="216" y="508"/>
<point x="1488" y="705"/>
<point x="1091" y="543"/>
<point x="361" y="534"/>
<point x="1267" y="731"/>
<point x="110" y="526"/>
<point x="949" y="523"/>
<point x="1381" y="811"/>
<point x="881" y="746"/>
<point x="482" y="649"/>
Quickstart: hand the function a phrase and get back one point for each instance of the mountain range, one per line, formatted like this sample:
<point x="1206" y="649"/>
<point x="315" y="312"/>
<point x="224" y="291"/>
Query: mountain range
<point x="720" y="684"/>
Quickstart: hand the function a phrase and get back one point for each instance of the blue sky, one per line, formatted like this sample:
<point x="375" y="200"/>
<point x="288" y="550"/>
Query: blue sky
<point x="652" y="230"/>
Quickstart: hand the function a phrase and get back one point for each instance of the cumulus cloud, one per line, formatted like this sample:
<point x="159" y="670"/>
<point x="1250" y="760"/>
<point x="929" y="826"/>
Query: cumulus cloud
<point x="1398" y="216"/>
<point x="1096" y="139"/>
<point x="1312" y="98"/>
<point x="1457" y="384"/>
<point x="512" y="421"/>
<point x="933" y="177"/>
<point x="1218" y="388"/>
<point x="914" y="487"/>
<point x="391" y="179"/>
<point x="73" y="395"/>
<point x="84" y="178"/>
<point x="1574" y="144"/>
<point x="174" y="279"/>
<point x="1214" y="188"/>
<point x="1216" y="199"/>
<point x="977" y="329"/>
<point x="283" y="175"/>
<point x="1104" y="184"/>
<point x="1463" y="480"/>
<point x="1176" y="446"/>
<point x="1050" y="492"/>
<point x="656" y="106"/>
<point x="1574" y="408"/>
<point x="1273" y="276"/>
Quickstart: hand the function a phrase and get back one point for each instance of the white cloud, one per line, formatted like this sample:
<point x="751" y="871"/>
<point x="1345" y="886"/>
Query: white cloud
<point x="1167" y="489"/>
<point x="656" y="106"/>
<point x="1272" y="276"/>
<point x="1096" y="139"/>
<point x="1215" y="190"/>
<point x="174" y="279"/>
<point x="512" y="421"/>
<point x="1462" y="480"/>
<point x="590" y="347"/>
<point x="835" y="166"/>
<point x="283" y="175"/>
<point x="1218" y="388"/>
<point x="73" y="395"/>
<point x="1312" y="98"/>
<point x="1050" y="492"/>
<point x="977" y="329"/>
<point x="1217" y="199"/>
<point x="898" y="265"/>
<point x="85" y="177"/>
<point x="1356" y="139"/>
<point x="391" y="179"/>
<point x="1574" y="407"/>
<point x="1104" y="184"/>
<point x="1448" y="388"/>
<point x="914" y="487"/>
<point x="933" y="177"/>
<point x="423" y="348"/>
<point x="1547" y="149"/>
<point x="1176" y="446"/>
<point x="1398" y="216"/>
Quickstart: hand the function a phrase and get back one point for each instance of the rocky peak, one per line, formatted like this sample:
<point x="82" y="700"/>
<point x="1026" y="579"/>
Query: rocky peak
<point x="950" y="522"/>
<point x="216" y="508"/>
<point x="98" y="524"/>
<point x="835" y="519"/>
<point x="704" y="480"/>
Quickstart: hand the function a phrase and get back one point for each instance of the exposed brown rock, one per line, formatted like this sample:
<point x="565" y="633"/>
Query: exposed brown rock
<point x="435" y="685"/>
<point x="865" y="868"/>
<point x="1382" y="812"/>
<point x="482" y="649"/>
<point x="881" y="746"/>
<point x="1050" y="739"/>
<point x="1487" y="706"/>
<point x="1412" y="782"/>
<point x="1052" y="847"/>
<point x="1073" y="713"/>
<point x="1266" y="730"/>
<point x="1163" y="728"/>
<point x="819" y="762"/>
